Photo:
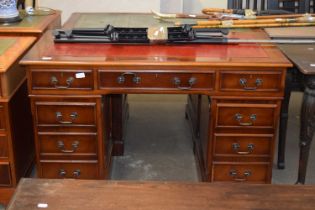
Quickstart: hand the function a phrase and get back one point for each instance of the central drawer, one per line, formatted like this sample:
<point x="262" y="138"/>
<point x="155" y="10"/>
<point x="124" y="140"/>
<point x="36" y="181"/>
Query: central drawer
<point x="156" y="80"/>
<point x="65" y="113"/>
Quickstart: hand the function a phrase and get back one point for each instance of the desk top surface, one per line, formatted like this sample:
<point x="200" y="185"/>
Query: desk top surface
<point x="11" y="48"/>
<point x="152" y="55"/>
<point x="107" y="195"/>
<point x="29" y="24"/>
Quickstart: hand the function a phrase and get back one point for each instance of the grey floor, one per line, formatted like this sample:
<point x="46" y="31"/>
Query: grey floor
<point x="158" y="142"/>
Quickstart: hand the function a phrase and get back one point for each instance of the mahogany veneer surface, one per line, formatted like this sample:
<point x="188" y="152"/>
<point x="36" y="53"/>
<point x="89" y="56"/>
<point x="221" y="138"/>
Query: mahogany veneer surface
<point x="105" y="195"/>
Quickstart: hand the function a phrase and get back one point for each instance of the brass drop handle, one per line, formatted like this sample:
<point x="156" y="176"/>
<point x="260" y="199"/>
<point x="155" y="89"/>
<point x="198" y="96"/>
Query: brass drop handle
<point x="54" y="81"/>
<point x="239" y="118"/>
<point x="62" y="173"/>
<point x="122" y="78"/>
<point x="76" y="173"/>
<point x="61" y="146"/>
<point x="243" y="82"/>
<point x="59" y="117"/>
<point x="191" y="82"/>
<point x="236" y="147"/>
<point x="237" y="177"/>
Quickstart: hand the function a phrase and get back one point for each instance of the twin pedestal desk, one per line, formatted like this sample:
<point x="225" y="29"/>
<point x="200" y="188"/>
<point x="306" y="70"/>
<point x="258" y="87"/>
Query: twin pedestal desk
<point x="241" y="86"/>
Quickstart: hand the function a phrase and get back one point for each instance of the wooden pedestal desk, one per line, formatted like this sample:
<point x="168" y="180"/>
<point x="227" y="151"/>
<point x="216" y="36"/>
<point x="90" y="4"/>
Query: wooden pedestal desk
<point x="113" y="195"/>
<point x="20" y="149"/>
<point x="69" y="85"/>
<point x="16" y="137"/>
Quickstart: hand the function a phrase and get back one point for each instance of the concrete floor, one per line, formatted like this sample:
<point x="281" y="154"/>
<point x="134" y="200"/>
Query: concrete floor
<point x="158" y="142"/>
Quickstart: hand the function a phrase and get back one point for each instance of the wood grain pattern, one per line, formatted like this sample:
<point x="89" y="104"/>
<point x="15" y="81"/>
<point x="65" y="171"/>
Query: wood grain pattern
<point x="105" y="195"/>
<point x="32" y="25"/>
<point x="14" y="51"/>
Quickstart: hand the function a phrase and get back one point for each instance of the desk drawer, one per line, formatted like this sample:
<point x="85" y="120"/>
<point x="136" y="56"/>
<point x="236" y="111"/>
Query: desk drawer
<point x="73" y="145"/>
<point x="5" y="175"/>
<point x="242" y="145"/>
<point x="170" y="81"/>
<point x="77" y="170"/>
<point x="65" y="113"/>
<point x="266" y="81"/>
<point x="4" y="149"/>
<point x="55" y="79"/>
<point x="246" y="115"/>
<point x="2" y="118"/>
<point x="239" y="172"/>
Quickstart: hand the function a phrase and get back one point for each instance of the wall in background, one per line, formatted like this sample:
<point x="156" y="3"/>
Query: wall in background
<point x="70" y="6"/>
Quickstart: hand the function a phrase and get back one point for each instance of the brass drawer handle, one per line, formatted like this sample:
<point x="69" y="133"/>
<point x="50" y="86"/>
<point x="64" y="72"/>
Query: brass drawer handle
<point x="122" y="78"/>
<point x="61" y="147"/>
<point x="54" y="81"/>
<point x="243" y="82"/>
<point x="236" y="147"/>
<point x="191" y="82"/>
<point x="239" y="118"/>
<point x="235" y="174"/>
<point x="76" y="173"/>
<point x="59" y="117"/>
<point x="62" y="173"/>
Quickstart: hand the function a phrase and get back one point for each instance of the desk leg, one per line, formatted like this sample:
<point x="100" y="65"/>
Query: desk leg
<point x="307" y="126"/>
<point x="284" y="121"/>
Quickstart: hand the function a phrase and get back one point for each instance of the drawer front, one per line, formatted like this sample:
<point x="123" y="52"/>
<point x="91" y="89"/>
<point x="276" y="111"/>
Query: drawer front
<point x="246" y="115"/>
<point x="65" y="113"/>
<point x="240" y="145"/>
<point x="4" y="149"/>
<point x="172" y="81"/>
<point x="77" y="170"/>
<point x="2" y="118"/>
<point x="61" y="79"/>
<point x="5" y="175"/>
<point x="241" y="172"/>
<point x="73" y="145"/>
<point x="251" y="81"/>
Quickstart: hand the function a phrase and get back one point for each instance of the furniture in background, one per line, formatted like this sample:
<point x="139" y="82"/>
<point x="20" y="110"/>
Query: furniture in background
<point x="112" y="195"/>
<point x="296" y="6"/>
<point x="295" y="81"/>
<point x="303" y="58"/>
<point x="17" y="141"/>
<point x="69" y="86"/>
<point x="17" y="150"/>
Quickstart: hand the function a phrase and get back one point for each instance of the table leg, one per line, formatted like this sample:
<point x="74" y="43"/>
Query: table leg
<point x="284" y="121"/>
<point x="307" y="126"/>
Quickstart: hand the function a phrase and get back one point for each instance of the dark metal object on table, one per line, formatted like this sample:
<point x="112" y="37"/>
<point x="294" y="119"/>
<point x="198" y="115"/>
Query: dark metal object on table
<point x="112" y="34"/>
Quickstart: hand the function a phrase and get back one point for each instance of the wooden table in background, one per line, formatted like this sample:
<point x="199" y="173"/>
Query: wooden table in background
<point x="18" y="160"/>
<point x="113" y="195"/>
<point x="16" y="136"/>
<point x="32" y="25"/>
<point x="303" y="58"/>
